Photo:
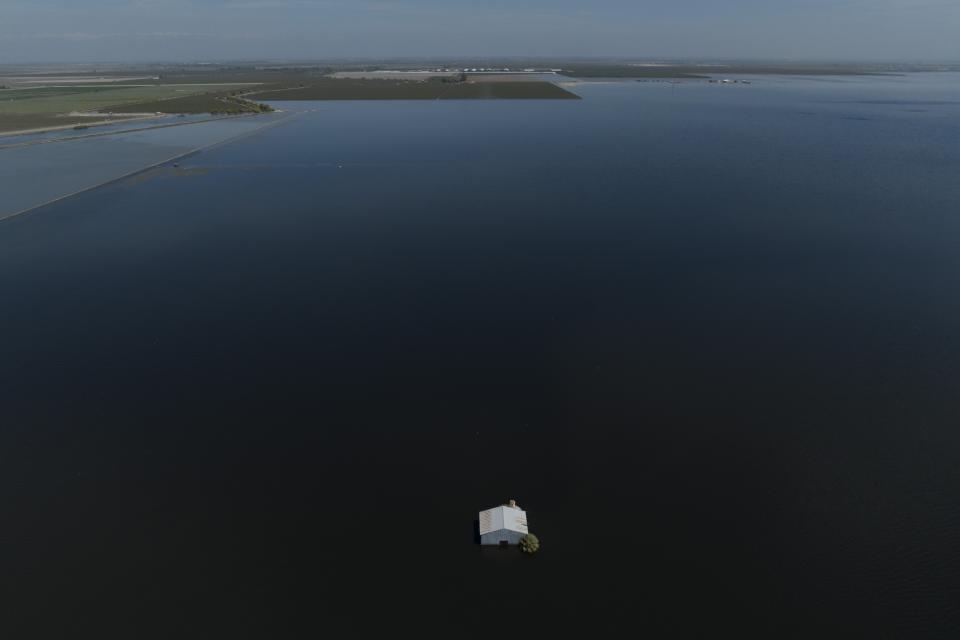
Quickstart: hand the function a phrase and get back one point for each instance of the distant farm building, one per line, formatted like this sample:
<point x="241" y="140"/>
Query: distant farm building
<point x="503" y="525"/>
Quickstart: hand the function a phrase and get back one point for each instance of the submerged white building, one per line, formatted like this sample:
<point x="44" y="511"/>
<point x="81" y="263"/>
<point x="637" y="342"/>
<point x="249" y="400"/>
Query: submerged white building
<point x="503" y="525"/>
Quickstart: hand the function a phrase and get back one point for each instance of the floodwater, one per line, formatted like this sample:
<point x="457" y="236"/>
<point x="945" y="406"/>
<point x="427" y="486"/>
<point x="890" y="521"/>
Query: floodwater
<point x="119" y="125"/>
<point x="706" y="335"/>
<point x="40" y="172"/>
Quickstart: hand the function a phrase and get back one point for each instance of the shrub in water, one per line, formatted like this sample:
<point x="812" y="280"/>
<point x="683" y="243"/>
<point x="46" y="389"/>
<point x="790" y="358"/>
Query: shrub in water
<point x="529" y="543"/>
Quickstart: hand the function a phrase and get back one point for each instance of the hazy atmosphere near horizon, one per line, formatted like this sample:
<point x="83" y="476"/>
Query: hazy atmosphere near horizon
<point x="529" y="318"/>
<point x="177" y="30"/>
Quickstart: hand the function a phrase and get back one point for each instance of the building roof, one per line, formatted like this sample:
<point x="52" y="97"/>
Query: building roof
<point x="503" y="517"/>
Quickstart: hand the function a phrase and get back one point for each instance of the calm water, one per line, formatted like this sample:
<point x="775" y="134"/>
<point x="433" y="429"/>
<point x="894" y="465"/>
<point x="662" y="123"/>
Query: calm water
<point x="706" y="335"/>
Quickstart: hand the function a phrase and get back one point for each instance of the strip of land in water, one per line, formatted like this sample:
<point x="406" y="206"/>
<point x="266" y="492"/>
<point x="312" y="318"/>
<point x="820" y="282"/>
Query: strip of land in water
<point x="687" y="71"/>
<point x="362" y="89"/>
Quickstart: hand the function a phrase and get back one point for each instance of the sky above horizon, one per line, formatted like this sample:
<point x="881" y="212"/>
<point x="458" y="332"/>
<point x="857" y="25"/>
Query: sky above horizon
<point x="197" y="30"/>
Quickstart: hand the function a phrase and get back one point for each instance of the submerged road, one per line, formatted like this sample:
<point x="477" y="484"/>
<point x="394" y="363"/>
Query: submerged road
<point x="35" y="176"/>
<point x="100" y="134"/>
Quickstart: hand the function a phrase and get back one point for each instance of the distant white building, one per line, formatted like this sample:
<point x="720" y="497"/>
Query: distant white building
<point x="503" y="525"/>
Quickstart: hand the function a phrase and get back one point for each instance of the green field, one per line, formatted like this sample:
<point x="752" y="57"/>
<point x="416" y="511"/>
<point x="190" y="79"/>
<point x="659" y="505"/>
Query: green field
<point x="351" y="89"/>
<point x="47" y="107"/>
<point x="236" y="75"/>
<point x="217" y="103"/>
<point x="85" y="99"/>
<point x="20" y="95"/>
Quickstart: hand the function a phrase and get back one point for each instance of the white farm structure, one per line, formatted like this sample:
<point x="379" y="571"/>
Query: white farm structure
<point x="504" y="525"/>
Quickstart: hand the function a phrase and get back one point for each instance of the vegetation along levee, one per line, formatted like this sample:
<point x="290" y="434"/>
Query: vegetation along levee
<point x="222" y="103"/>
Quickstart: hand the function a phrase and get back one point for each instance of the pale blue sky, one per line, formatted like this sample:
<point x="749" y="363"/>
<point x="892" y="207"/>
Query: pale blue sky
<point x="136" y="30"/>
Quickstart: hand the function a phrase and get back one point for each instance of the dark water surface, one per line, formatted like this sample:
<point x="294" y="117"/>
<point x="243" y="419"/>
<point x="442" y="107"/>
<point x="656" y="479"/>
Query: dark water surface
<point x="706" y="335"/>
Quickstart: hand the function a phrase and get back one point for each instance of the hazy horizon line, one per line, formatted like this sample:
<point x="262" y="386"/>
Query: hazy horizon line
<point x="672" y="60"/>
